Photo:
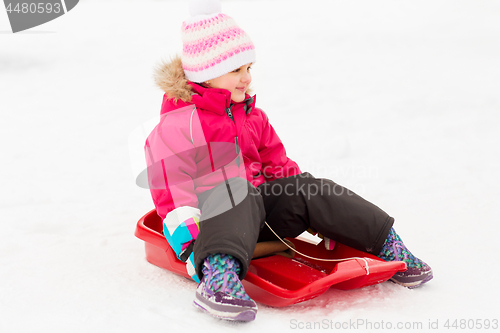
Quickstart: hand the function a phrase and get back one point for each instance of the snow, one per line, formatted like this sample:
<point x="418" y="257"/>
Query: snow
<point x="397" y="100"/>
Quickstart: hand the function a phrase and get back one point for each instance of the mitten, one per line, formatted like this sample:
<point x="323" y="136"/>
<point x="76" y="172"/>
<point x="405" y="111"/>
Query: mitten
<point x="185" y="233"/>
<point x="329" y="243"/>
<point x="190" y="268"/>
<point x="181" y="227"/>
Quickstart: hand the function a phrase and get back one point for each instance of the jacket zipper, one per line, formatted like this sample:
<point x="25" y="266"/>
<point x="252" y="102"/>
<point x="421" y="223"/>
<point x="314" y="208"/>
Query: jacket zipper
<point x="230" y="115"/>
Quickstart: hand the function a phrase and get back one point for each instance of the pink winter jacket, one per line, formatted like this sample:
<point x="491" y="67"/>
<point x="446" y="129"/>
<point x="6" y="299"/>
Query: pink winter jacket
<point x="199" y="143"/>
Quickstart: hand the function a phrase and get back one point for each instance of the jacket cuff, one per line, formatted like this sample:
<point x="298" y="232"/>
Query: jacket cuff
<point x="179" y="215"/>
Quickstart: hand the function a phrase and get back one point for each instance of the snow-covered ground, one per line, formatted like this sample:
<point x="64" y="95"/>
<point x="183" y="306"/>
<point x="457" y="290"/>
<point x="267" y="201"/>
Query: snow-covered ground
<point x="397" y="100"/>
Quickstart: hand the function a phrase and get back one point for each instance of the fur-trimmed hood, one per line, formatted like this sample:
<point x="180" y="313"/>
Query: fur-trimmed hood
<point x="170" y="77"/>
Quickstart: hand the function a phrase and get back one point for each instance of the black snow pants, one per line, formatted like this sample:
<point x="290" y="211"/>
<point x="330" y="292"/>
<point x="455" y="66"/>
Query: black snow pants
<point x="233" y="215"/>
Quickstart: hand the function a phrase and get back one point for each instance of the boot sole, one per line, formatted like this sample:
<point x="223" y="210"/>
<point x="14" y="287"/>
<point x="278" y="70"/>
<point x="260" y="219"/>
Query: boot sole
<point x="414" y="283"/>
<point x="245" y="314"/>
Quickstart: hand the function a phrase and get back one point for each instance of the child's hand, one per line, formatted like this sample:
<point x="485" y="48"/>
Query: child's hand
<point x="183" y="236"/>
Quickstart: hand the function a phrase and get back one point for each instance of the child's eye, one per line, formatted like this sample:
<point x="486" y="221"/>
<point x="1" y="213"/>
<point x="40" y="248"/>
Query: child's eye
<point x="237" y="70"/>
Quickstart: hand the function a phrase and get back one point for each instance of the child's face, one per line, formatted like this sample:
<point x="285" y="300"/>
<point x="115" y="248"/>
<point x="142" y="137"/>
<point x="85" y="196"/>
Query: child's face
<point x="236" y="82"/>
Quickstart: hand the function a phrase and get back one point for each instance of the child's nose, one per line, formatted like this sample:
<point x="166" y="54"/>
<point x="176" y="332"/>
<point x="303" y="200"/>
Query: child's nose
<point x="246" y="77"/>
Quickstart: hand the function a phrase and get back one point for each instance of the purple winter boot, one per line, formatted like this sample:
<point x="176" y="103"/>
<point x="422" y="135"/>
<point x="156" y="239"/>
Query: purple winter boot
<point x="220" y="292"/>
<point x="417" y="273"/>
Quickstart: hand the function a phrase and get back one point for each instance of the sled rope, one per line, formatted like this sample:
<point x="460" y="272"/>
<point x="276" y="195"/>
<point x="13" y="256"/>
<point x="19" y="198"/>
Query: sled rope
<point x="320" y="259"/>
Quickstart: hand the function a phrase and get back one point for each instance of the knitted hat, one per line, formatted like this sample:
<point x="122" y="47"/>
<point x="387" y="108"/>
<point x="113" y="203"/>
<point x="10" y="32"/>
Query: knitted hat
<point x="213" y="44"/>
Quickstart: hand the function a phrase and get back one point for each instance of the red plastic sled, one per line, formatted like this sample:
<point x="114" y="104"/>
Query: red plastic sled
<point x="279" y="281"/>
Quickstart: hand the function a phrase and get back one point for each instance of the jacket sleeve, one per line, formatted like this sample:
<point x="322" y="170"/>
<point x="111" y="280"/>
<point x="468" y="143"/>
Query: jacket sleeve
<point x="275" y="162"/>
<point x="170" y="157"/>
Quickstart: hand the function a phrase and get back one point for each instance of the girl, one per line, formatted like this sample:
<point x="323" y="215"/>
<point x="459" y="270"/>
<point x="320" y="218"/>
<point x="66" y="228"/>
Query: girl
<point x="217" y="170"/>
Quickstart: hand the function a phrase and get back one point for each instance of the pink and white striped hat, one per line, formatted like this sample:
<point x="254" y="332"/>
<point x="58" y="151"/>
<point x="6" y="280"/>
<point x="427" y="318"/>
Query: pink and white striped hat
<point x="213" y="44"/>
